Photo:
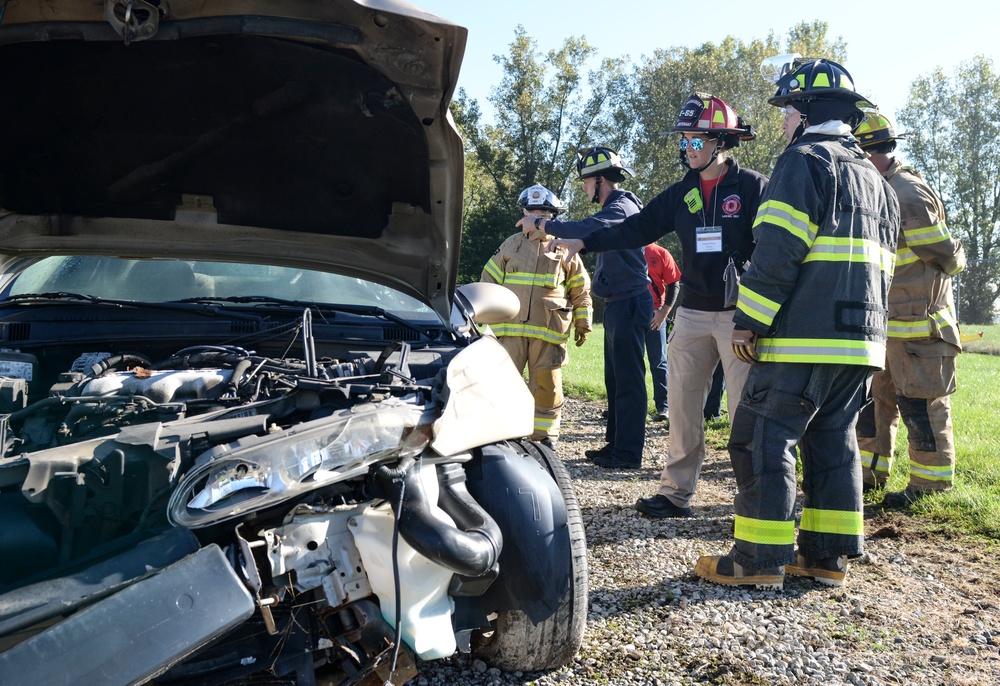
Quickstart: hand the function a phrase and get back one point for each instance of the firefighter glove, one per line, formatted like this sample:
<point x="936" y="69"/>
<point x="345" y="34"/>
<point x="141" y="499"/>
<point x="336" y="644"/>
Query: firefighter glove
<point x="580" y="336"/>
<point x="743" y="345"/>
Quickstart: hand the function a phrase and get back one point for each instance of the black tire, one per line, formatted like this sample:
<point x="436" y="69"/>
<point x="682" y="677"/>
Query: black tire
<point x="515" y="644"/>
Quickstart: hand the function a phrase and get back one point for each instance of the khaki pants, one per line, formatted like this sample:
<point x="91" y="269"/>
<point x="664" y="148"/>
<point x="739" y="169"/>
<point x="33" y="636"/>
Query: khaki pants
<point x="914" y="386"/>
<point x="544" y="361"/>
<point x="697" y="343"/>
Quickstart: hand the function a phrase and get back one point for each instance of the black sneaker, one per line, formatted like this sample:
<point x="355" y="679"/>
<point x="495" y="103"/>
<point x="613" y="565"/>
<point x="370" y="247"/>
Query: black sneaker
<point x="613" y="462"/>
<point x="661" y="507"/>
<point x="902" y="499"/>
<point x="661" y="415"/>
<point x="550" y="443"/>
<point x="602" y="452"/>
<point x="830" y="571"/>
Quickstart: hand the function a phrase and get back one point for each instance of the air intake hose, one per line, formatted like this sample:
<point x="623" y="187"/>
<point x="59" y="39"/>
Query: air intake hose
<point x="471" y="548"/>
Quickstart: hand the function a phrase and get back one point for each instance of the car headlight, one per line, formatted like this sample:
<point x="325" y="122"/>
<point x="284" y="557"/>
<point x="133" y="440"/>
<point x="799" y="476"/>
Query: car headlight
<point x="263" y="471"/>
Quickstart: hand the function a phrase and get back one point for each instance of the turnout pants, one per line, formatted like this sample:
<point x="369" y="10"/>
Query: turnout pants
<point x="813" y="407"/>
<point x="697" y="343"/>
<point x="544" y="361"/>
<point x="914" y="386"/>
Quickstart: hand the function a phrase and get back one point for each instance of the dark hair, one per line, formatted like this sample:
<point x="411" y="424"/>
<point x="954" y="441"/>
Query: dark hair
<point x="613" y="175"/>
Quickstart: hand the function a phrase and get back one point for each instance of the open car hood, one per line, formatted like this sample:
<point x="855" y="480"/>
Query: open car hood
<point x="308" y="133"/>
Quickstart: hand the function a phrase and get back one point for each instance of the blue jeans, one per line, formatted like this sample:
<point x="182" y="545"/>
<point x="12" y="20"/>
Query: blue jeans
<point x="656" y="353"/>
<point x="814" y="408"/>
<point x="625" y="325"/>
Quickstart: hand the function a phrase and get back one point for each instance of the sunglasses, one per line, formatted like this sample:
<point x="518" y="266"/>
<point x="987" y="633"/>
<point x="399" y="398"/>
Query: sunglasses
<point x="696" y="144"/>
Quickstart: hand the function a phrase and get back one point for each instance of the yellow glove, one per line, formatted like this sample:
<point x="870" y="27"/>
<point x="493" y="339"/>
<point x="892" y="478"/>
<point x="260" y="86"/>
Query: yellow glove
<point x="580" y="336"/>
<point x="743" y="345"/>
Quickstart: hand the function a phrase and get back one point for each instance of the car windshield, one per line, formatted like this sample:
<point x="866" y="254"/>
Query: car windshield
<point x="172" y="280"/>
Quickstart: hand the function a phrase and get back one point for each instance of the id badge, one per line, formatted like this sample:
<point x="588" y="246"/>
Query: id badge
<point x="708" y="239"/>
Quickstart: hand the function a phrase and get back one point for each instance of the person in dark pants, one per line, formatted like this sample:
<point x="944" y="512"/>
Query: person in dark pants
<point x="621" y="279"/>
<point x="812" y="321"/>
<point x="664" y="277"/>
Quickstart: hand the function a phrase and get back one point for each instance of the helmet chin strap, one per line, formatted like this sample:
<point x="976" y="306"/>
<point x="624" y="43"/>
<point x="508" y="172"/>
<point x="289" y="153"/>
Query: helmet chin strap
<point x="711" y="161"/>
<point x="597" y="190"/>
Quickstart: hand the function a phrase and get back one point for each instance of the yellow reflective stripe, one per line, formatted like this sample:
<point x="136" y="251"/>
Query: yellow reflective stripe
<point x="494" y="270"/>
<point x="925" y="235"/>
<point x="821" y="351"/>
<point x="906" y="256"/>
<point x="946" y="317"/>
<point x="867" y="457"/>
<point x="860" y="250"/>
<point x="756" y="306"/>
<point x="577" y="281"/>
<point x="529" y="279"/>
<point x="544" y="423"/>
<point x="918" y="329"/>
<point x="932" y="472"/>
<point x="764" y="531"/>
<point x="822" y="80"/>
<point x="581" y="313"/>
<point x="847" y="522"/>
<point x="530" y="331"/>
<point x="787" y="217"/>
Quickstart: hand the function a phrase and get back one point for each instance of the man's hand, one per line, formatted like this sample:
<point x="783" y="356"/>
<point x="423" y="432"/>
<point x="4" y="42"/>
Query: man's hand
<point x="580" y="336"/>
<point x="743" y="345"/>
<point x="530" y="222"/>
<point x="659" y="316"/>
<point x="571" y="245"/>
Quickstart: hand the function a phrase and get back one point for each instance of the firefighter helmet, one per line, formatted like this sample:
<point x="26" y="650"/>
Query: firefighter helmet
<point x="877" y="129"/>
<point x="538" y="197"/>
<point x="816" y="79"/>
<point x="597" y="160"/>
<point x="708" y="114"/>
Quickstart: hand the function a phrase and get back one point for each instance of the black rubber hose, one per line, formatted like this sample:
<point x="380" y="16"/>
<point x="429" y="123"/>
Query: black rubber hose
<point x="471" y="552"/>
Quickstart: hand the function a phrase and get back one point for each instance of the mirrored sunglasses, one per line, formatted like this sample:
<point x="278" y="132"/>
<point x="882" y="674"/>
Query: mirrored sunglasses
<point x="696" y="144"/>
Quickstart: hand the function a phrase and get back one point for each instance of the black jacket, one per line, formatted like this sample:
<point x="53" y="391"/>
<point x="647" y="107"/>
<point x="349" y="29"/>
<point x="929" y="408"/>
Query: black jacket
<point x="732" y="206"/>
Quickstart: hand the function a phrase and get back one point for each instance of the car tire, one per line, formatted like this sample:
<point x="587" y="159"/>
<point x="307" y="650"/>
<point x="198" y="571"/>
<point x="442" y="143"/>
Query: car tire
<point x="514" y="643"/>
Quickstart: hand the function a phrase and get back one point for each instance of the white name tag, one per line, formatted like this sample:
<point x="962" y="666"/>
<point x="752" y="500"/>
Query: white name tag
<point x="708" y="239"/>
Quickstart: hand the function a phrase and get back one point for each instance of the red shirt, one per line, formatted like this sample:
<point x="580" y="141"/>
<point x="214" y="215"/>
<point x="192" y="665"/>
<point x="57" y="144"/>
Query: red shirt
<point x="663" y="271"/>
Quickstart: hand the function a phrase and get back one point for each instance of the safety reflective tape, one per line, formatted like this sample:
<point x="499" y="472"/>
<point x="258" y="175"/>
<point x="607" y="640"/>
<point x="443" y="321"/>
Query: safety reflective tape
<point x="764" y="531"/>
<point x="821" y="351"/>
<point x="846" y="522"/>
<point x="932" y="472"/>
<point x="906" y="256"/>
<point x="577" y="281"/>
<point x="855" y="250"/>
<point x="544" y="423"/>
<point x="756" y="306"/>
<point x="868" y="457"/>
<point x="581" y="313"/>
<point x="530" y="331"/>
<point x="529" y="279"/>
<point x="494" y="270"/>
<point x="787" y="217"/>
<point x="922" y="328"/>
<point x="822" y="80"/>
<point x="926" y="235"/>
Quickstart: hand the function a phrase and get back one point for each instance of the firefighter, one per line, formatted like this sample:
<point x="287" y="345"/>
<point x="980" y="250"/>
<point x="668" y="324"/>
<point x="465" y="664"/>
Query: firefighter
<point x="555" y="298"/>
<point x="711" y="210"/>
<point x="620" y="278"/>
<point x="924" y="339"/>
<point x="811" y="319"/>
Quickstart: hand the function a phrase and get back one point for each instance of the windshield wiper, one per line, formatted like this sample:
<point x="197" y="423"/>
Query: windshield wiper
<point x="362" y="310"/>
<point x="178" y="306"/>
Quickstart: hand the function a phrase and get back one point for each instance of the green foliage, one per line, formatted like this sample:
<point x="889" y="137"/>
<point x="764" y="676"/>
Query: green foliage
<point x="955" y="124"/>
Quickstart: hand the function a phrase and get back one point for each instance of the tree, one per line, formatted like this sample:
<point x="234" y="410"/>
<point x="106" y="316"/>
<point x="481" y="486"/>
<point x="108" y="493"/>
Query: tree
<point x="544" y="114"/>
<point x="955" y="125"/>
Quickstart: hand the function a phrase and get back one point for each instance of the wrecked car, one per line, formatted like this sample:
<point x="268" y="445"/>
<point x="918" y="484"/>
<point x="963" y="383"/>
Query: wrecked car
<point x="250" y="430"/>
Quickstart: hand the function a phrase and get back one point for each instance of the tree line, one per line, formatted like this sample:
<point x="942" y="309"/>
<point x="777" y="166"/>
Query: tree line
<point x="547" y="106"/>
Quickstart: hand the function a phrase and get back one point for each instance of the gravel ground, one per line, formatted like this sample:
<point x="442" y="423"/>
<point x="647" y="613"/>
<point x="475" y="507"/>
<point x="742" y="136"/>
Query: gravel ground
<point x="918" y="608"/>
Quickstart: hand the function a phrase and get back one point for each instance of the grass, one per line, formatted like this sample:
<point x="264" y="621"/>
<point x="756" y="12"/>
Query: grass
<point x="971" y="507"/>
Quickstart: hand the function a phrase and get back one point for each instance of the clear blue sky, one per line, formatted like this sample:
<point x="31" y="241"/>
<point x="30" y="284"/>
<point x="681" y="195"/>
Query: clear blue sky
<point x="889" y="42"/>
